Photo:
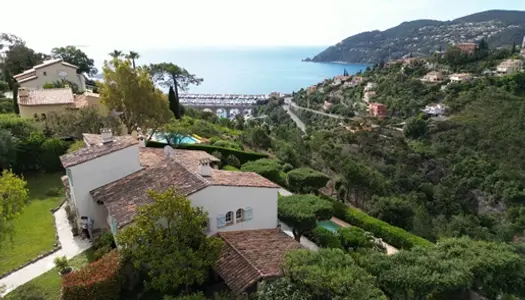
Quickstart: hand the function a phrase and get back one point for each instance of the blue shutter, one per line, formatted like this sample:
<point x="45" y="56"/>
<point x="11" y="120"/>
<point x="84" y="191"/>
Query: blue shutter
<point x="113" y="226"/>
<point x="221" y="221"/>
<point x="70" y="176"/>
<point x="247" y="213"/>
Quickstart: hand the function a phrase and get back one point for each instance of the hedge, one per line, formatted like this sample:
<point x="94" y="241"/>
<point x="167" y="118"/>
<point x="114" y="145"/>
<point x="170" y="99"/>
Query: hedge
<point x="97" y="281"/>
<point x="230" y="168"/>
<point x="306" y="180"/>
<point x="324" y="238"/>
<point x="392" y="235"/>
<point x="267" y="168"/>
<point x="243" y="156"/>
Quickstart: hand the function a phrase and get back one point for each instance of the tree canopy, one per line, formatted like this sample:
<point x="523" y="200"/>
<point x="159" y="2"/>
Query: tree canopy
<point x="77" y="57"/>
<point x="131" y="93"/>
<point x="175" y="253"/>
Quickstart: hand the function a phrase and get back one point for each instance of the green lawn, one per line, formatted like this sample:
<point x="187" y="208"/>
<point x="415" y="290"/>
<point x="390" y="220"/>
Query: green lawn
<point x="34" y="230"/>
<point x="47" y="286"/>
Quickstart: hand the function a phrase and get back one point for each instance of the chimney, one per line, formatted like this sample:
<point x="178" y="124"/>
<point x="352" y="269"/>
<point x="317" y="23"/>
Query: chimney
<point x="107" y="135"/>
<point x="205" y="169"/>
<point x="23" y="95"/>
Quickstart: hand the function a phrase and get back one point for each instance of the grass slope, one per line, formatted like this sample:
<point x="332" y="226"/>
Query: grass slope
<point x="34" y="231"/>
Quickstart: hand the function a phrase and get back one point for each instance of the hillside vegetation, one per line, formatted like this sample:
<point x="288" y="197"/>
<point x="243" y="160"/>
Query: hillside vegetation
<point x="500" y="28"/>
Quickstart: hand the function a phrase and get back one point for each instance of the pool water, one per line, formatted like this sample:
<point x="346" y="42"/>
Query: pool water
<point x="329" y="225"/>
<point x="185" y="140"/>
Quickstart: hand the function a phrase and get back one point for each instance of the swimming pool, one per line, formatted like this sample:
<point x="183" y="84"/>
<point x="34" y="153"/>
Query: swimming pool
<point x="159" y="137"/>
<point x="329" y="225"/>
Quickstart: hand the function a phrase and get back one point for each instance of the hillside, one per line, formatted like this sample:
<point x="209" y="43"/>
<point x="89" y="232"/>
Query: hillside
<point x="499" y="27"/>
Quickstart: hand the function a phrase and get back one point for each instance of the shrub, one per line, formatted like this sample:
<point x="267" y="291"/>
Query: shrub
<point x="392" y="235"/>
<point x="287" y="167"/>
<point x="97" y="281"/>
<point x="50" y="155"/>
<point x="77" y="145"/>
<point x="243" y="156"/>
<point x="61" y="263"/>
<point x="324" y="238"/>
<point x="230" y="168"/>
<point x="227" y="144"/>
<point x="233" y="161"/>
<point x="217" y="154"/>
<point x="53" y="192"/>
<point x="267" y="168"/>
<point x="306" y="180"/>
<point x="197" y="296"/>
<point x="354" y="238"/>
<point x="103" y="244"/>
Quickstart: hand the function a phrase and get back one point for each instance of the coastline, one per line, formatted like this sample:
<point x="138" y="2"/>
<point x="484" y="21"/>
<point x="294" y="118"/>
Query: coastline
<point x="338" y="62"/>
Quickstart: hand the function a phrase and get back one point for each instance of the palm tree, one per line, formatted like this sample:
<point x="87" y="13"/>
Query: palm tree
<point x="132" y="56"/>
<point x="116" y="54"/>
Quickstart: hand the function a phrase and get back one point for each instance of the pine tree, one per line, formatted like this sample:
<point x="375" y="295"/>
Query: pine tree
<point x="174" y="103"/>
<point x="513" y="50"/>
<point x="345" y="73"/>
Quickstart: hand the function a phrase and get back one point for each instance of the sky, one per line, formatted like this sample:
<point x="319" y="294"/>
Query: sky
<point x="104" y="25"/>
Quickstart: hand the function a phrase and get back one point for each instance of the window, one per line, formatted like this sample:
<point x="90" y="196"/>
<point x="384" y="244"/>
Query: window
<point x="68" y="171"/>
<point x="247" y="213"/>
<point x="45" y="73"/>
<point x="239" y="215"/>
<point x="229" y="218"/>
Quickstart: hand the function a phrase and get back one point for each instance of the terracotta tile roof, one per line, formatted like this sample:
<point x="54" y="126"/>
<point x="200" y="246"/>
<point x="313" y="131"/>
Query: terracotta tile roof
<point x="47" y="97"/>
<point x="122" y="197"/>
<point x="98" y="150"/>
<point x="251" y="255"/>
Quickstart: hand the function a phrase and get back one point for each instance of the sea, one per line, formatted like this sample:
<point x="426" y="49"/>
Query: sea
<point x="249" y="70"/>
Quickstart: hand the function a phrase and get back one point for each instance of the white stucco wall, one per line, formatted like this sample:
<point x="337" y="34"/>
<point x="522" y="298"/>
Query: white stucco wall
<point x="218" y="200"/>
<point x="97" y="172"/>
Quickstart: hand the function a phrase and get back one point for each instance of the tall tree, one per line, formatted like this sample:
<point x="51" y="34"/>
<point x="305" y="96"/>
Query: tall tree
<point x="14" y="198"/>
<point x="77" y="57"/>
<point x="116" y="53"/>
<point x="171" y="75"/>
<point x="174" y="103"/>
<point x="132" y="55"/>
<point x="301" y="212"/>
<point x="131" y="92"/>
<point x="177" y="253"/>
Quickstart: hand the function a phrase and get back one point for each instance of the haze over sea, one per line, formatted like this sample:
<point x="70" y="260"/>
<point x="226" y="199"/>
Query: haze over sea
<point x="249" y="70"/>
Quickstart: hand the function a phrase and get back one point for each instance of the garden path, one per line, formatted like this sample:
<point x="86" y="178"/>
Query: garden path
<point x="71" y="246"/>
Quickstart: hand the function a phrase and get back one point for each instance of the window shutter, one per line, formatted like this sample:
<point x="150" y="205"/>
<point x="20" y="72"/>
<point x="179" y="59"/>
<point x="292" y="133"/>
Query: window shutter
<point x="247" y="213"/>
<point x="113" y="226"/>
<point x="221" y="221"/>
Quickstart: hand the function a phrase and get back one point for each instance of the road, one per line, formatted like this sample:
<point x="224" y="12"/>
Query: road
<point x="295" y="118"/>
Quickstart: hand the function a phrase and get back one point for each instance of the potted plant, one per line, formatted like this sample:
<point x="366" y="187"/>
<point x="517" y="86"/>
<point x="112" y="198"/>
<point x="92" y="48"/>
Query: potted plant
<point x="63" y="265"/>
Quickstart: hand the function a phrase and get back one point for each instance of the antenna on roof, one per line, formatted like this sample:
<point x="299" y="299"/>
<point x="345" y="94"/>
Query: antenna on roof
<point x="169" y="152"/>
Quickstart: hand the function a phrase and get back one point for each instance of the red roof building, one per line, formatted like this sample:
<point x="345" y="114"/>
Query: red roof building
<point x="377" y="110"/>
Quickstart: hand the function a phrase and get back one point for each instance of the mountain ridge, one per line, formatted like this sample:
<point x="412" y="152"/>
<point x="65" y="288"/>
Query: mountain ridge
<point x="498" y="27"/>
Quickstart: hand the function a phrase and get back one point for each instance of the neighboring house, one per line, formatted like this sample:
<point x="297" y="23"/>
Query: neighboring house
<point x="327" y="105"/>
<point x="107" y="181"/>
<point x="460" y="77"/>
<point x="42" y="101"/>
<point x="468" y="48"/>
<point x="435" y="109"/>
<point x="509" y="66"/>
<point x="378" y="110"/>
<point x="433" y="77"/>
<point x="311" y="89"/>
<point x="341" y="78"/>
<point x="50" y="71"/>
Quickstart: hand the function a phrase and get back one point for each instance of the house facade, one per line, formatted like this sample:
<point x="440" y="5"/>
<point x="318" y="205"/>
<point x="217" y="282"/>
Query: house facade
<point x="48" y="72"/>
<point x="39" y="102"/>
<point x="467" y="48"/>
<point x="378" y="110"/>
<point x="460" y="77"/>
<point x="433" y="77"/>
<point x="509" y="66"/>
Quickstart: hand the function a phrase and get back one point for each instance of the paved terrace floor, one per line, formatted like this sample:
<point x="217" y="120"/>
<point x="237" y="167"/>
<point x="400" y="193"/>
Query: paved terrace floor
<point x="71" y="246"/>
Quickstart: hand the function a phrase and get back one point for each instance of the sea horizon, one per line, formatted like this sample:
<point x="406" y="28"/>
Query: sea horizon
<point x="248" y="70"/>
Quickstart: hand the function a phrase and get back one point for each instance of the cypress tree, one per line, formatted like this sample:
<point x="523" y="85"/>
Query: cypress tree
<point x="15" y="98"/>
<point x="174" y="103"/>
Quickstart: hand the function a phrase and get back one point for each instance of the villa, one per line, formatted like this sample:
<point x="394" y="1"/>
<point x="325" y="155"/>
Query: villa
<point x="467" y="48"/>
<point x="433" y="77"/>
<point x="377" y="110"/>
<point x="327" y="105"/>
<point x="460" y="77"/>
<point x="311" y="89"/>
<point x="509" y="66"/>
<point x="48" y="72"/>
<point x="39" y="102"/>
<point x="108" y="180"/>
